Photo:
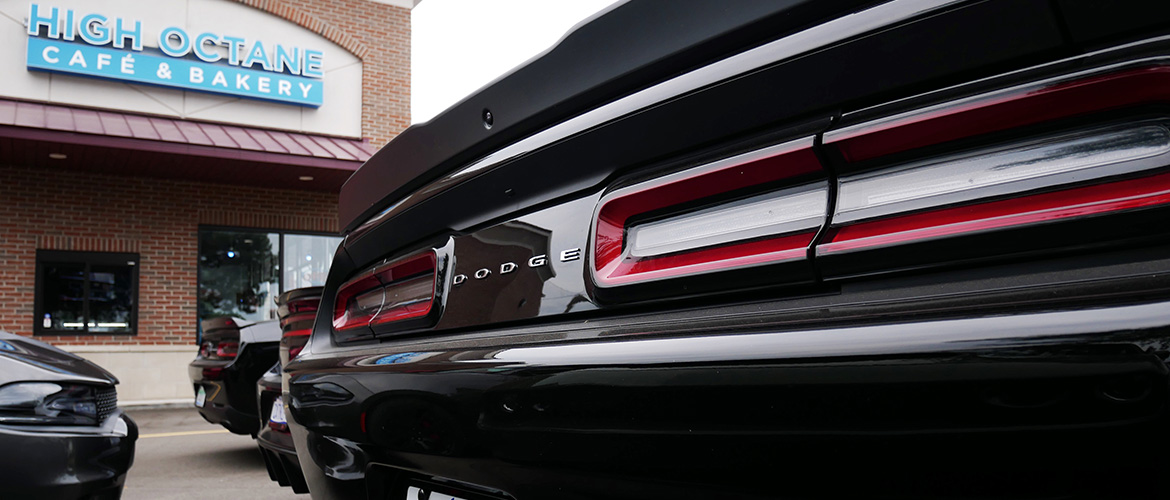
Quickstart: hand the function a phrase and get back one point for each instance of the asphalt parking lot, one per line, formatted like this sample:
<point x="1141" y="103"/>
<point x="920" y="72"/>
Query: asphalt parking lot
<point x="181" y="456"/>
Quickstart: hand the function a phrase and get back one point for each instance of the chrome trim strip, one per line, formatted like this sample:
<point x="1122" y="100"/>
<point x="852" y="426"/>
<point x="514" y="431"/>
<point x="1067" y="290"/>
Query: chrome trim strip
<point x="791" y="46"/>
<point x="955" y="335"/>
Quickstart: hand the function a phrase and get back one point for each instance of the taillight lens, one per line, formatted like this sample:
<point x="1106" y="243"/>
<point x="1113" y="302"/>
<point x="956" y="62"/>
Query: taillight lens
<point x="297" y="312"/>
<point x="1042" y="163"/>
<point x="1002" y="110"/>
<point x="1003" y="198"/>
<point x="691" y="222"/>
<point x="219" y="349"/>
<point x="227" y="350"/>
<point x="296" y="341"/>
<point x="395" y="291"/>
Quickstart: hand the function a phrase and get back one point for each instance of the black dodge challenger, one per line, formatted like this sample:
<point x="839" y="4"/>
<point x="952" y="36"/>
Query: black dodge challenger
<point x="765" y="249"/>
<point x="62" y="435"/>
<point x="233" y="355"/>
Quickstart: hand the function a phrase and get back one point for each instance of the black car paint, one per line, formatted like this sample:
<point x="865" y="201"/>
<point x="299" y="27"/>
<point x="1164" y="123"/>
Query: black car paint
<point x="635" y="45"/>
<point x="1032" y="374"/>
<point x="276" y="445"/>
<point x="231" y="391"/>
<point x="61" y="462"/>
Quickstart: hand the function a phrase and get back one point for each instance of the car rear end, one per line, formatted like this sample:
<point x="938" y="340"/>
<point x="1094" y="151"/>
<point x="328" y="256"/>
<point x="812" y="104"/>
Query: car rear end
<point x="297" y="309"/>
<point x="232" y="356"/>
<point x="903" y="249"/>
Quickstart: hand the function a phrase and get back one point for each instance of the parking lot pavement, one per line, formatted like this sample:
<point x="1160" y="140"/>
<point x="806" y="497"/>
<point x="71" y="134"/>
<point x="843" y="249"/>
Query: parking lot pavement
<point x="181" y="456"/>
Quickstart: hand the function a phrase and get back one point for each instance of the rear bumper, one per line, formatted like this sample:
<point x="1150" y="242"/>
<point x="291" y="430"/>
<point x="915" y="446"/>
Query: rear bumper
<point x="231" y="387"/>
<point x="280" y="457"/>
<point x="58" y="462"/>
<point x="1058" y="402"/>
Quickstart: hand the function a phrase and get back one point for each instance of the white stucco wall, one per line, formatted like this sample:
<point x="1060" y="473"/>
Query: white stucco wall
<point x="146" y="374"/>
<point x="340" y="113"/>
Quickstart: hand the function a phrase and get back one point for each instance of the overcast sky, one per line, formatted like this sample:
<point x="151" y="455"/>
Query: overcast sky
<point x="458" y="46"/>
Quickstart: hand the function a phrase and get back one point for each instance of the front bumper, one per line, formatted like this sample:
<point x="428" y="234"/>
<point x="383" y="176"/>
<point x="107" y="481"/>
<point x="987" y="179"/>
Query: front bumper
<point x="67" y="463"/>
<point x="1032" y="404"/>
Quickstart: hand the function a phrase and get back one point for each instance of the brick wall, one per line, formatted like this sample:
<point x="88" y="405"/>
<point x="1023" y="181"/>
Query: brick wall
<point x="49" y="209"/>
<point x="379" y="35"/>
<point x="159" y="219"/>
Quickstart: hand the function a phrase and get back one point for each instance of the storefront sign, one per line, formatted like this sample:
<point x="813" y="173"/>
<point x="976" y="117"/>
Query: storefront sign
<point x="98" y="46"/>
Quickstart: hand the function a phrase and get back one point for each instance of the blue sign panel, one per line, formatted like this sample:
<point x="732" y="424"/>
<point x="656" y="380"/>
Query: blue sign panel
<point x="140" y="67"/>
<point x="99" y="46"/>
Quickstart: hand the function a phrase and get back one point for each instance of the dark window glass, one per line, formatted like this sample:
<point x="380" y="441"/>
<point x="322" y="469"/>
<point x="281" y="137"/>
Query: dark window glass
<point x="63" y="297"/>
<point x="238" y="274"/>
<point x="110" y="298"/>
<point x="85" y="292"/>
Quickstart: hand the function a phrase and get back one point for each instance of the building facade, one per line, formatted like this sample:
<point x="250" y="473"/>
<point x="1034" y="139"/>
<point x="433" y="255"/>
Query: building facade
<point x="175" y="160"/>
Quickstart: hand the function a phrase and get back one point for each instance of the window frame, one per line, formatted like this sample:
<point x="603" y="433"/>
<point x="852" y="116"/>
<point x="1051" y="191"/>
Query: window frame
<point x="45" y="258"/>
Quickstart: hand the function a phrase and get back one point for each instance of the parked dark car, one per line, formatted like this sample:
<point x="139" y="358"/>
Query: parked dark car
<point x="61" y="430"/>
<point x="232" y="356"/>
<point x="276" y="444"/>
<point x="297" y="309"/>
<point x="760" y="249"/>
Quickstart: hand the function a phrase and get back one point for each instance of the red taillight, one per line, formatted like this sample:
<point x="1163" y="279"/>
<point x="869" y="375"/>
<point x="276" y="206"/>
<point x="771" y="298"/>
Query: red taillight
<point x="357" y="303"/>
<point x="1116" y="196"/>
<point x="227" y="350"/>
<point x="395" y="291"/>
<point x="303" y="305"/>
<point x="212" y="373"/>
<point x="222" y="349"/>
<point x="296" y="341"/>
<point x="1011" y="188"/>
<point x="1001" y="110"/>
<point x="298" y="311"/>
<point x="637" y="237"/>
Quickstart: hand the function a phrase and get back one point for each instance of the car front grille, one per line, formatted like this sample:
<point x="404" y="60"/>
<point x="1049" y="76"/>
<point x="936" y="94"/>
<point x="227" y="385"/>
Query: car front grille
<point x="107" y="402"/>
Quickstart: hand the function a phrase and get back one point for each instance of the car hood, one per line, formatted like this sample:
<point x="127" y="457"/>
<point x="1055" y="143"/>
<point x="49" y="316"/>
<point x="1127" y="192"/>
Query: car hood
<point x="22" y="359"/>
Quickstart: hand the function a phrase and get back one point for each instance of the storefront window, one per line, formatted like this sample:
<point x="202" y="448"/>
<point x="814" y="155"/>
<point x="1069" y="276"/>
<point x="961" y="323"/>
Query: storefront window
<point x="238" y="275"/>
<point x="241" y="272"/>
<point x="307" y="259"/>
<point x="85" y="292"/>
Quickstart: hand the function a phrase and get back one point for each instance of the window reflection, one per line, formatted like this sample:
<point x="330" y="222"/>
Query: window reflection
<point x="110" y="300"/>
<point x="307" y="259"/>
<point x="238" y="274"/>
<point x="241" y="272"/>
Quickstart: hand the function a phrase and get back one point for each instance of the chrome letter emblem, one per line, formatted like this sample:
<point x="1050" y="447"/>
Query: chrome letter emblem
<point x="570" y="254"/>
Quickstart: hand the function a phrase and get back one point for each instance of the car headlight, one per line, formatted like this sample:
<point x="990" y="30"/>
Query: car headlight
<point x="46" y="403"/>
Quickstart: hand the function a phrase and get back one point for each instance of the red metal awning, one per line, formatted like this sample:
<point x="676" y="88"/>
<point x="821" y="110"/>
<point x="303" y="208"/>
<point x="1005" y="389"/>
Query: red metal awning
<point x="152" y="146"/>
